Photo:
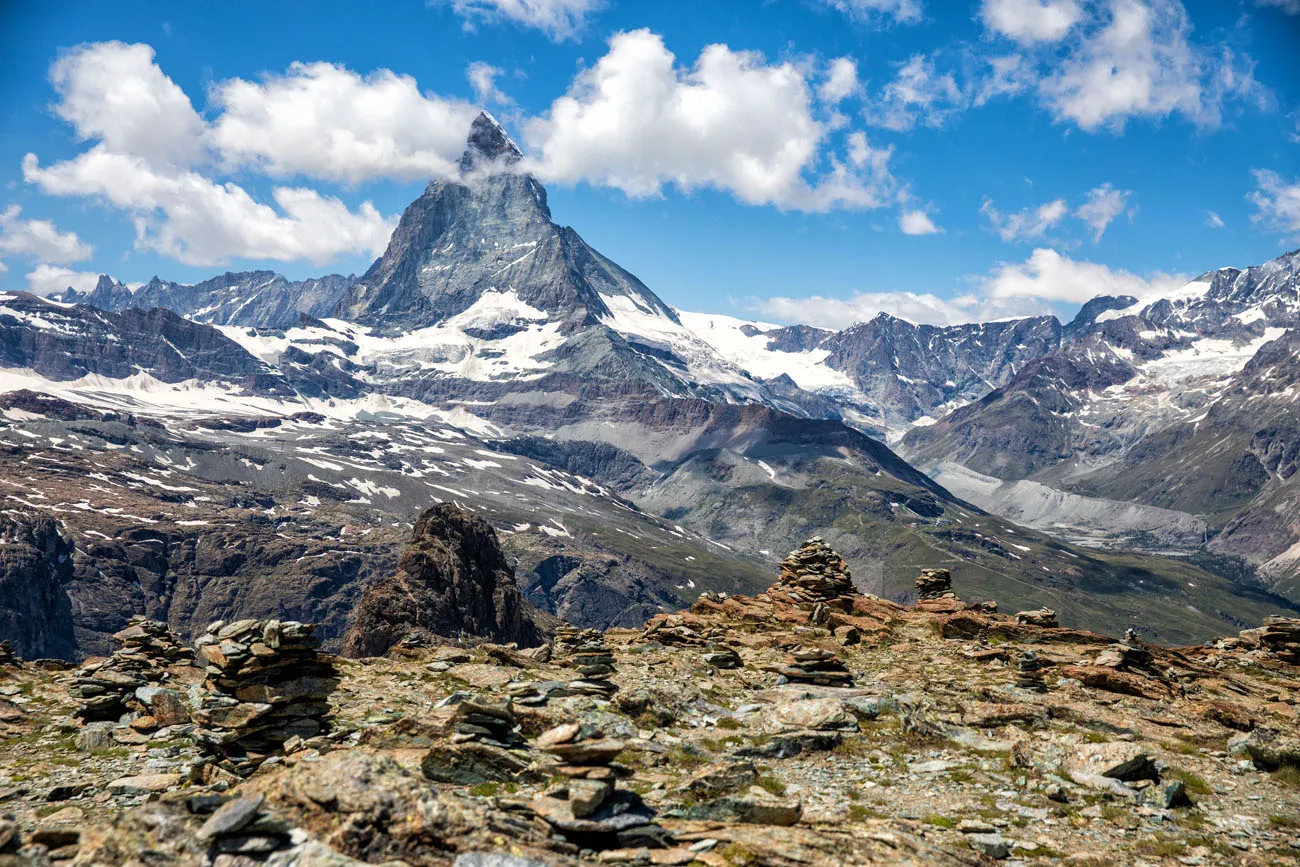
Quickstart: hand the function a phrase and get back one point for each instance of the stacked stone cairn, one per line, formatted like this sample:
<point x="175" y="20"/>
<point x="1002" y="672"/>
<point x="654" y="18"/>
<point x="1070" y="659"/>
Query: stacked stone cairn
<point x="814" y="572"/>
<point x="1126" y="655"/>
<point x="484" y="721"/>
<point x="1044" y="617"/>
<point x="588" y="809"/>
<point x="1281" y="635"/>
<point x="7" y="655"/>
<point x="266" y="685"/>
<point x="816" y="666"/>
<point x="107" y="689"/>
<point x="934" y="584"/>
<point x="1029" y="675"/>
<point x="586" y="651"/>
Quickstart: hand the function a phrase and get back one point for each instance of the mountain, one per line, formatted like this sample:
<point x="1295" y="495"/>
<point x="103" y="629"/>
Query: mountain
<point x="261" y="299"/>
<point x="1175" y="411"/>
<point x="492" y="359"/>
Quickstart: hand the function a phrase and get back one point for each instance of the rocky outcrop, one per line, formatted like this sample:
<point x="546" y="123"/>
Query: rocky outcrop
<point x="452" y="580"/>
<point x="35" y="567"/>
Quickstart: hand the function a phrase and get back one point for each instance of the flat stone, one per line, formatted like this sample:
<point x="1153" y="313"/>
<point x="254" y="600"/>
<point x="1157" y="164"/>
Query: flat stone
<point x="990" y="845"/>
<point x="231" y="817"/>
<point x="597" y="751"/>
<point x="561" y="734"/>
<point x="144" y="784"/>
<point x="586" y="796"/>
<point x="817" y="714"/>
<point x="756" y="807"/>
<point x="1118" y="760"/>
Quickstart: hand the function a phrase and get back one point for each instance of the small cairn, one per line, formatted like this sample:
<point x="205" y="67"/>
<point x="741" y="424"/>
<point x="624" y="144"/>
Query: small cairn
<point x="485" y="721"/>
<point x="934" y="584"/>
<point x="7" y="654"/>
<point x="106" y="689"/>
<point x="586" y="651"/>
<point x="722" y="658"/>
<point x="266" y="684"/>
<point x="814" y="573"/>
<point x="1044" y="617"/>
<point x="588" y="809"/>
<point x="1281" y="635"/>
<point x="1126" y="655"/>
<point x="816" y="666"/>
<point x="1029" y="675"/>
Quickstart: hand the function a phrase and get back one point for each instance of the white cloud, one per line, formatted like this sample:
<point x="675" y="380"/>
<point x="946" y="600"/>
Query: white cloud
<point x="3" y="267"/>
<point x="1277" y="204"/>
<point x="1031" y="288"/>
<point x="1029" y="224"/>
<point x="154" y="156"/>
<point x="198" y="221"/>
<point x="637" y="121"/>
<point x="1213" y="220"/>
<point x="1048" y="275"/>
<point x="558" y="19"/>
<point x="841" y="81"/>
<point x="918" y="94"/>
<point x="324" y="121"/>
<point x="1138" y="62"/>
<point x="1290" y="7"/>
<point x="483" y="78"/>
<point x="1104" y="204"/>
<point x="48" y="279"/>
<point x="917" y="223"/>
<point x="879" y="11"/>
<point x="39" y="239"/>
<point x="1031" y="21"/>
<point x="115" y="93"/>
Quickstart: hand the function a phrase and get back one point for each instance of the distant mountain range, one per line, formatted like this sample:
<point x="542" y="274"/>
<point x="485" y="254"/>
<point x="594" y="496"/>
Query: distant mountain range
<point x="708" y="445"/>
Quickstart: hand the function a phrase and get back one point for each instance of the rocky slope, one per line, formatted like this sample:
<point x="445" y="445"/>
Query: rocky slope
<point x="35" y="569"/>
<point x="957" y="736"/>
<point x="452" y="580"/>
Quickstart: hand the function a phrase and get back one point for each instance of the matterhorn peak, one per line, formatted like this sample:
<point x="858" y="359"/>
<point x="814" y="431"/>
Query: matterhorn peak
<point x="488" y="143"/>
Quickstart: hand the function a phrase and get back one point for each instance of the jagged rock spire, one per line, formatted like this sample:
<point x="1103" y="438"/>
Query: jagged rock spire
<point x="488" y="143"/>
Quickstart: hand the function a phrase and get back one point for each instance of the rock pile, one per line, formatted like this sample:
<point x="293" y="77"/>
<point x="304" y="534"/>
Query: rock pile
<point x="1044" y="617"/>
<point x="588" y="809"/>
<point x="814" y="572"/>
<point x="1281" y="635"/>
<point x="722" y="658"/>
<point x="7" y="655"/>
<point x="670" y="631"/>
<point x="266" y="683"/>
<point x="816" y="666"/>
<point x="484" y="721"/>
<point x="106" y="689"/>
<point x="586" y="651"/>
<point x="934" y="584"/>
<point x="1125" y="656"/>
<point x="239" y="831"/>
<point x="1029" y="673"/>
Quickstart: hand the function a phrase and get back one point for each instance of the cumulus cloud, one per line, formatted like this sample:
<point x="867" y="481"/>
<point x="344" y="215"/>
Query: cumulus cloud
<point x="39" y="239"/>
<point x="1138" y="61"/>
<point x="917" y="223"/>
<point x="198" y="221"/>
<point x="1028" y="224"/>
<point x="115" y="93"/>
<point x="1031" y="20"/>
<point x="1104" y="204"/>
<point x="156" y="159"/>
<point x="1277" y="204"/>
<point x="324" y="121"/>
<point x="558" y="19"/>
<point x="1048" y="275"/>
<point x="638" y="121"/>
<point x="483" y="78"/>
<point x="874" y="12"/>
<point x="841" y="81"/>
<point x="1030" y="288"/>
<point x="49" y="279"/>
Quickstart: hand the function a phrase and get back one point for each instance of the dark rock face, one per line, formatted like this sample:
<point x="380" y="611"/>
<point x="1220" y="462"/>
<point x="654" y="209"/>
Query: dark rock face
<point x="35" y="567"/>
<point x="453" y="580"/>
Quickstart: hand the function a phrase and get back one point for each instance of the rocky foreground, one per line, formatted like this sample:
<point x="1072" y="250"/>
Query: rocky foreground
<point x="810" y="725"/>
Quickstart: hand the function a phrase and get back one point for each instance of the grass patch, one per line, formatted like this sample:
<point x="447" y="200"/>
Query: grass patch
<point x="729" y="723"/>
<point x="1160" y="848"/>
<point x="861" y="813"/>
<point x="1288" y="775"/>
<point x="687" y="757"/>
<point x="771" y="784"/>
<point x="1194" y="783"/>
<point x="939" y="821"/>
<point x="1291" y="823"/>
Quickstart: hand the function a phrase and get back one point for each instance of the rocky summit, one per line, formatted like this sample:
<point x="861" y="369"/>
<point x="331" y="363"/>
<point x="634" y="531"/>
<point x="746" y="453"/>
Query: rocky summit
<point x="850" y="730"/>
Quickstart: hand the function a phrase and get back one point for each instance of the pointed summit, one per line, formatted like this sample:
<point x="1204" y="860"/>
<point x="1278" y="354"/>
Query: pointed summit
<point x="488" y="143"/>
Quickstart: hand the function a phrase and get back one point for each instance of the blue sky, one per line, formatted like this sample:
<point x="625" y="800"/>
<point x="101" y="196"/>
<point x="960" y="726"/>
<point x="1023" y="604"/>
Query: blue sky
<point x="813" y="160"/>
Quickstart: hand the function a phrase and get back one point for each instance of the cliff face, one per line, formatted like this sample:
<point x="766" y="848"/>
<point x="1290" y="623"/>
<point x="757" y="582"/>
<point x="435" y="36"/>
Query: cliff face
<point x="453" y="580"/>
<point x="35" y="565"/>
